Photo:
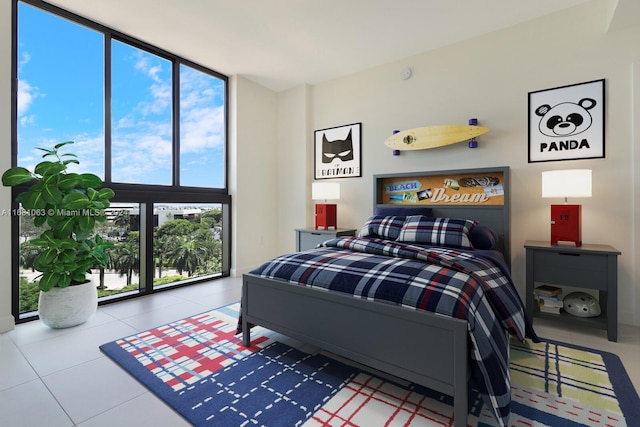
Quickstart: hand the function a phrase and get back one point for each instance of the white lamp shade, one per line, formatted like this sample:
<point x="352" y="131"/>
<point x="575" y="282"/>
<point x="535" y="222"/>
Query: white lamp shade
<point x="325" y="191"/>
<point x="566" y="183"/>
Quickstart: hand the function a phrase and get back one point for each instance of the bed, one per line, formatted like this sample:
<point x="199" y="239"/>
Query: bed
<point x="441" y="348"/>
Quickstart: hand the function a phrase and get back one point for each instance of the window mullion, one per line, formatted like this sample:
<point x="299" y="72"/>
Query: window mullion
<point x="176" y="123"/>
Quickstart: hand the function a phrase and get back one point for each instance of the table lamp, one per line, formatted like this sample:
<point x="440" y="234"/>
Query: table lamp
<point x="566" y="220"/>
<point x="325" y="213"/>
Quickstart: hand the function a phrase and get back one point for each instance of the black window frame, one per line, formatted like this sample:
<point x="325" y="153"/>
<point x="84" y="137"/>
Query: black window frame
<point x="145" y="194"/>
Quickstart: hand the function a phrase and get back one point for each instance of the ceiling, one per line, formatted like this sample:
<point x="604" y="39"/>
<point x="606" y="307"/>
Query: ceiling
<point x="284" y="43"/>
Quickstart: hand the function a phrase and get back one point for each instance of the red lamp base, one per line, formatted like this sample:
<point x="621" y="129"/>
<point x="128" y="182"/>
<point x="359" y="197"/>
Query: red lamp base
<point x="566" y="224"/>
<point x="326" y="216"/>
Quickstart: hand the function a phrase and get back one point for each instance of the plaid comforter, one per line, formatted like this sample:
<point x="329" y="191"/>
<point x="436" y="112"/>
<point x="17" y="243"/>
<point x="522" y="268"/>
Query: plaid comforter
<point x="447" y="281"/>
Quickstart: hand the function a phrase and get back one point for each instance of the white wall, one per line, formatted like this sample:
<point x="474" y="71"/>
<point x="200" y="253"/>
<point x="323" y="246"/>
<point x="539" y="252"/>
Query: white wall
<point x="6" y="320"/>
<point x="253" y="172"/>
<point x="489" y="78"/>
<point x="295" y="143"/>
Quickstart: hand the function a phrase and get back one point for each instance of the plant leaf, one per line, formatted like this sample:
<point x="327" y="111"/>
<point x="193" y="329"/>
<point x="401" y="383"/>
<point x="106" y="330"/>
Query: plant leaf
<point x="65" y="227"/>
<point x="75" y="200"/>
<point x="31" y="200"/>
<point x="86" y="223"/>
<point x="49" y="168"/>
<point x="106" y="193"/>
<point x="62" y="144"/>
<point x="68" y="181"/>
<point x="90" y="180"/>
<point x="48" y="281"/>
<point x="50" y="191"/>
<point x="16" y="176"/>
<point x="45" y="258"/>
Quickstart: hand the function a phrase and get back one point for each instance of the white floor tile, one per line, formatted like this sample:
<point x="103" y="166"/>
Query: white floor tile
<point x="205" y="292"/>
<point x="35" y="331"/>
<point x="141" y="305"/>
<point x="143" y="411"/>
<point x="14" y="368"/>
<point x="29" y="405"/>
<point x="64" y="351"/>
<point x="164" y="315"/>
<point x="92" y="388"/>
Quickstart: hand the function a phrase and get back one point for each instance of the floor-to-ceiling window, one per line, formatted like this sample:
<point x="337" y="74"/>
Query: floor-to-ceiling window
<point x="151" y="124"/>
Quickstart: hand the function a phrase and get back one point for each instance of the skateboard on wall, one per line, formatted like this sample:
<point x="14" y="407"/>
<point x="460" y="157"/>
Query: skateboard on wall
<point x="435" y="136"/>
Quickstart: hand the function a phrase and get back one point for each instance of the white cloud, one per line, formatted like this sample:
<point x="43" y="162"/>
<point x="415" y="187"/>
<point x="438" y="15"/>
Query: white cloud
<point x="201" y="129"/>
<point x="26" y="95"/>
<point x="27" y="120"/>
<point x="143" y="64"/>
<point x="162" y="96"/>
<point x="24" y="60"/>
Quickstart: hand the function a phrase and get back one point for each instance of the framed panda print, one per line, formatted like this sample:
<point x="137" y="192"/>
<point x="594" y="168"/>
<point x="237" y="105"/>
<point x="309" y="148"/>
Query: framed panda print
<point x="567" y="122"/>
<point x="337" y="152"/>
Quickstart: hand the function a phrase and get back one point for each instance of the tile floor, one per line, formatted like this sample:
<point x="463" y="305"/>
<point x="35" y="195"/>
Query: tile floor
<point x="60" y="378"/>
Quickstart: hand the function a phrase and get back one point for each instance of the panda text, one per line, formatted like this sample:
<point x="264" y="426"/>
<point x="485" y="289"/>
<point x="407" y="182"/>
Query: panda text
<point x="571" y="144"/>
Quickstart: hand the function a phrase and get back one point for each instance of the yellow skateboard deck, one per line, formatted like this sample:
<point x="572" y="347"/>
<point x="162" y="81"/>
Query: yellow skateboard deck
<point x="433" y="136"/>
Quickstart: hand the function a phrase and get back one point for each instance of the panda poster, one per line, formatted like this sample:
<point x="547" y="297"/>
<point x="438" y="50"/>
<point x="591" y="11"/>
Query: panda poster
<point x="567" y="123"/>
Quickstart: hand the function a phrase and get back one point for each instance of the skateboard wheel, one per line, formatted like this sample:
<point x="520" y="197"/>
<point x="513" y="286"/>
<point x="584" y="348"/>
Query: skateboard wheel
<point x="396" y="131"/>
<point x="473" y="144"/>
<point x="473" y="122"/>
<point x="396" y="152"/>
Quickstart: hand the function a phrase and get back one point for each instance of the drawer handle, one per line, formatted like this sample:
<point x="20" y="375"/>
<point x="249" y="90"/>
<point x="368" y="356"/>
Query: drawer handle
<point x="317" y="234"/>
<point x="568" y="254"/>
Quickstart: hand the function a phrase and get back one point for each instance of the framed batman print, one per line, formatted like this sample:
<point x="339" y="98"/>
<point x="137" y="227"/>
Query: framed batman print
<point x="337" y="152"/>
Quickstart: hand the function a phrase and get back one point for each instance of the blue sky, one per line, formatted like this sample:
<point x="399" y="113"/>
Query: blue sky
<point x="61" y="97"/>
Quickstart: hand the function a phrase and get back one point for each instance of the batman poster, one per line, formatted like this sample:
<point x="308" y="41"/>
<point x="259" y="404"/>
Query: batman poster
<point x="337" y="152"/>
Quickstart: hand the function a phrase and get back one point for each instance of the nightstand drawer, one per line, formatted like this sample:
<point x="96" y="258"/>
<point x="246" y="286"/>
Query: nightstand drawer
<point x="571" y="269"/>
<point x="310" y="239"/>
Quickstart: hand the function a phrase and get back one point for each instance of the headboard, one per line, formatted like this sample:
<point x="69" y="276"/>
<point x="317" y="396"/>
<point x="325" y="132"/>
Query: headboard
<point x="479" y="194"/>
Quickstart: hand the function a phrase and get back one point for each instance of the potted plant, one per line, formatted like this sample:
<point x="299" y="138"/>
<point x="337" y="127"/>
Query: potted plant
<point x="67" y="206"/>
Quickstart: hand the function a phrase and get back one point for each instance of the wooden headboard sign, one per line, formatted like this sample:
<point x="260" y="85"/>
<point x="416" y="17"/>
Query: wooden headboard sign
<point x="479" y="194"/>
<point x="476" y="188"/>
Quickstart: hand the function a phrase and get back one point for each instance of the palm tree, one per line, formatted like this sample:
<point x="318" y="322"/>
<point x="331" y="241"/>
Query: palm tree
<point x="191" y="251"/>
<point x="123" y="220"/>
<point x="125" y="256"/>
<point x="162" y="246"/>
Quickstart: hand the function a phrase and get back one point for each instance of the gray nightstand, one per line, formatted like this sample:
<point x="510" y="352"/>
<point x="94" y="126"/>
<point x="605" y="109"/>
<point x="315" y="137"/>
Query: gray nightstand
<point x="587" y="267"/>
<point x="309" y="238"/>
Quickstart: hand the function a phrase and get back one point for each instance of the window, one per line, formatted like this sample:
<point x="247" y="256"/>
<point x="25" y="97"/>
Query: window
<point x="187" y="242"/>
<point x="60" y="88"/>
<point x="141" y="116"/>
<point x="151" y="124"/>
<point x="202" y="129"/>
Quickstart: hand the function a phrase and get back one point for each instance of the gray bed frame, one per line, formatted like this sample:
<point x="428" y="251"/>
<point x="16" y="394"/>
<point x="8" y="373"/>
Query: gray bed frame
<point x="425" y="348"/>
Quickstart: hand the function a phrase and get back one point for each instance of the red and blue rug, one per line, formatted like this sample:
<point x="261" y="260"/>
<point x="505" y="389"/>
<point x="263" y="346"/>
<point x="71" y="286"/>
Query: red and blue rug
<point x="199" y="367"/>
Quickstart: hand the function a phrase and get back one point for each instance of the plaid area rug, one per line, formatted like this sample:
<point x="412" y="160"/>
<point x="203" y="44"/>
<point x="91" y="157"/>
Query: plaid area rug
<point x="199" y="367"/>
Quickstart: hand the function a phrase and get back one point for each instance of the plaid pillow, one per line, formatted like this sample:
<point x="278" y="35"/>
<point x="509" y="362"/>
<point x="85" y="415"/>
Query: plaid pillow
<point x="384" y="227"/>
<point x="437" y="231"/>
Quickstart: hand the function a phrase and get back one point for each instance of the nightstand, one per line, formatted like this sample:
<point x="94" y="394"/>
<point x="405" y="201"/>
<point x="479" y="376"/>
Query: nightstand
<point x="588" y="267"/>
<point x="309" y="238"/>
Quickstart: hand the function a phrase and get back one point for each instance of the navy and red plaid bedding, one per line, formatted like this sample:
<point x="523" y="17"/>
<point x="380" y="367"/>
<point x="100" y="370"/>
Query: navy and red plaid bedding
<point x="450" y="282"/>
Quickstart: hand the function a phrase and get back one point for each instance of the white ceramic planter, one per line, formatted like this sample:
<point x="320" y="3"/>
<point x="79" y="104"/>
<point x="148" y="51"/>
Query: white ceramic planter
<point x="67" y="307"/>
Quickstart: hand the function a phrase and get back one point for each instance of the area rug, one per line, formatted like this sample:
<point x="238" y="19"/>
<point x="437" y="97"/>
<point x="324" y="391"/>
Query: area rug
<point x="200" y="368"/>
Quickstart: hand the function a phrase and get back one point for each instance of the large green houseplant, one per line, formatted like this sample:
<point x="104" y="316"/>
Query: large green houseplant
<point x="67" y="206"/>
